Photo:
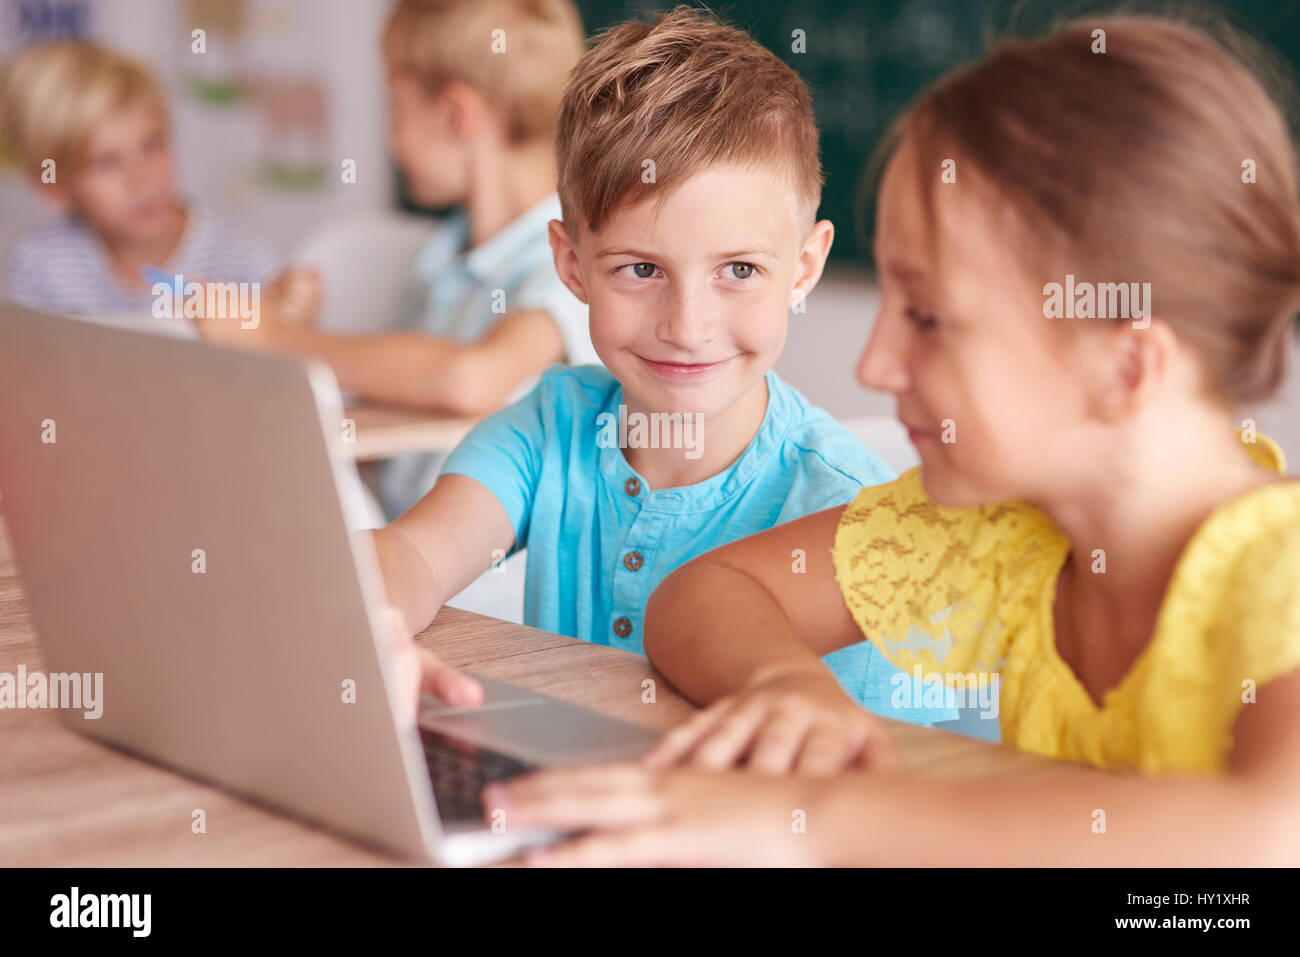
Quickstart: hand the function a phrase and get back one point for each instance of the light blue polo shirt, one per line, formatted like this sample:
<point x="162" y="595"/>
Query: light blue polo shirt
<point x="467" y="292"/>
<point x="599" y="539"/>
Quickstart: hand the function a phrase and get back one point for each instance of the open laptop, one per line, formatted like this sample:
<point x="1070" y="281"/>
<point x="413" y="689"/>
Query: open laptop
<point x="186" y="534"/>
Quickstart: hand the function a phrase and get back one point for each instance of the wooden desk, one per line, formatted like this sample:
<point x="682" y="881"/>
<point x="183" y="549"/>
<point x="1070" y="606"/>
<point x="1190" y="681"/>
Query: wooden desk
<point x="66" y="800"/>
<point x="384" y="431"/>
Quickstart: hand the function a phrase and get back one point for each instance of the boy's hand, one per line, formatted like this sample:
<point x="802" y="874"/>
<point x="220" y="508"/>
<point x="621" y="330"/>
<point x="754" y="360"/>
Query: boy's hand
<point x="286" y="308"/>
<point x="421" y="670"/>
<point x="257" y="330"/>
<point x="796" y="720"/>
<point x="294" y="297"/>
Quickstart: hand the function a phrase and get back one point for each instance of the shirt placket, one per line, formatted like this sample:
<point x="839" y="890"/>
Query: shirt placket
<point x="631" y="585"/>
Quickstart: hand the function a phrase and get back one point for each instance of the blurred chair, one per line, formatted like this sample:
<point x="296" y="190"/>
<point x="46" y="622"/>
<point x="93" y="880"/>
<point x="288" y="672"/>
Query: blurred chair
<point x="365" y="267"/>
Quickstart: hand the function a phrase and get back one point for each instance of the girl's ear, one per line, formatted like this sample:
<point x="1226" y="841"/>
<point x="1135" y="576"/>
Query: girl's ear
<point x="1137" y="365"/>
<point x="567" y="265"/>
<point x="812" y="259"/>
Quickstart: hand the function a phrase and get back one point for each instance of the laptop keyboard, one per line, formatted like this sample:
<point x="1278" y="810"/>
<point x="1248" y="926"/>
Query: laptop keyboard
<point x="460" y="771"/>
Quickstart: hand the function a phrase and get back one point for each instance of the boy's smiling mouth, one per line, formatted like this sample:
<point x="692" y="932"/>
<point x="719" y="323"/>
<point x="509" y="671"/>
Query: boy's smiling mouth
<point x="683" y="370"/>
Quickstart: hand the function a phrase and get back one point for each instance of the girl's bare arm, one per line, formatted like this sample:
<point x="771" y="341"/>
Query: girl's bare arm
<point x="754" y="607"/>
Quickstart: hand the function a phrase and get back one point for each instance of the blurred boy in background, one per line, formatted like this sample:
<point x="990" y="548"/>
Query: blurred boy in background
<point x="474" y="87"/>
<point x="91" y="128"/>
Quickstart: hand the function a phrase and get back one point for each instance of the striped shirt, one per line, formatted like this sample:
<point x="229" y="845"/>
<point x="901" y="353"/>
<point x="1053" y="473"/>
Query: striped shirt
<point x="63" y="267"/>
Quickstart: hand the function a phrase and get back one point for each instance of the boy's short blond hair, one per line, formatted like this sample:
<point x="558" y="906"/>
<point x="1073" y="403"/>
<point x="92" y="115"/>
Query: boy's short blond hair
<point x="440" y="41"/>
<point x="53" y="95"/>
<point x="685" y="92"/>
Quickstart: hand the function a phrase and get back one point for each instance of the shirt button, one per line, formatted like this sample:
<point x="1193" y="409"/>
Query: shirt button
<point x="622" y="627"/>
<point x="632" y="486"/>
<point x="632" y="561"/>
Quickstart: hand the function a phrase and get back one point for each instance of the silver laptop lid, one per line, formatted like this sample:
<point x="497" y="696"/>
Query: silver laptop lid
<point x="176" y="512"/>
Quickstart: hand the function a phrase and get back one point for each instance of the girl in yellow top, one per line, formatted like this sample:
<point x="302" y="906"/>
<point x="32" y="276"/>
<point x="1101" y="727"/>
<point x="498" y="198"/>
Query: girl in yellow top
<point x="1091" y="522"/>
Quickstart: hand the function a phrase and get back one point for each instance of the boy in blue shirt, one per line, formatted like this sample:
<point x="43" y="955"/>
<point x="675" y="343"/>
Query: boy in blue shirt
<point x="689" y="180"/>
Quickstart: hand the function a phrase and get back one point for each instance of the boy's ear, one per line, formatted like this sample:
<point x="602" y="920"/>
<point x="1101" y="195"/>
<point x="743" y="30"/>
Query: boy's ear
<point x="812" y="259"/>
<point x="566" y="260"/>
<point x="468" y="114"/>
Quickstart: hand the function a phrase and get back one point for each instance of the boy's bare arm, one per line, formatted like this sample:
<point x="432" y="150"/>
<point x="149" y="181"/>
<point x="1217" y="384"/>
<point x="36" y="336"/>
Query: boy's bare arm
<point x="448" y="539"/>
<point x="419" y="370"/>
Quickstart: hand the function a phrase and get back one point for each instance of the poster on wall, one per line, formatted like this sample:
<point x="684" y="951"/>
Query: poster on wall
<point x="262" y="57"/>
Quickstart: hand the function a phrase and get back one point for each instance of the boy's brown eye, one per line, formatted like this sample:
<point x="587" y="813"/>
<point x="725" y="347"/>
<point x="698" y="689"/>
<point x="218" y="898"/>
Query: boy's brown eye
<point x="643" y="270"/>
<point x="742" y="270"/>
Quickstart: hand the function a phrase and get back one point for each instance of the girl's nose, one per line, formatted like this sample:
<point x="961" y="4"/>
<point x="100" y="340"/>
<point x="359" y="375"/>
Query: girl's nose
<point x="881" y="366"/>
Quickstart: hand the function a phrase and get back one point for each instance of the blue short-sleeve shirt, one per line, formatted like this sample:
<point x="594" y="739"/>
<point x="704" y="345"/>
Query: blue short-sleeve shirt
<point x="600" y="540"/>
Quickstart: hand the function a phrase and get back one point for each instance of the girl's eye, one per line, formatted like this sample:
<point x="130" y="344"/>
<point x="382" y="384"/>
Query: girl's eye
<point x="741" y="270"/>
<point x="923" y="321"/>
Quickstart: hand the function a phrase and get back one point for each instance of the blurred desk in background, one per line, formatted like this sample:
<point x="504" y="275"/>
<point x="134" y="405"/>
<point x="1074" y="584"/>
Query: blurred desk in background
<point x="384" y="431"/>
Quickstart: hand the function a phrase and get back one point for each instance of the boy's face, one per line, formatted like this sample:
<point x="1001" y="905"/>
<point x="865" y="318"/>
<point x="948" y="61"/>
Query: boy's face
<point x="688" y="300"/>
<point x="125" y="186"/>
<point x="423" y="133"/>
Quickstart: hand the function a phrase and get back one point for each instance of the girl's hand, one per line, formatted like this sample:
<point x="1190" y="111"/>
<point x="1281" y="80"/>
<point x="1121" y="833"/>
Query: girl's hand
<point x="643" y="817"/>
<point x="796" y="720"/>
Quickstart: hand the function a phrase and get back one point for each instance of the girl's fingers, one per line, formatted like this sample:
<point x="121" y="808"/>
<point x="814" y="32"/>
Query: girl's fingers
<point x="681" y="740"/>
<point x="730" y="740"/>
<point x="877" y="752"/>
<point x="642" y="847"/>
<point x="825" y="751"/>
<point x="583" y="778"/>
<point x="778" y="745"/>
<point x="577" y="798"/>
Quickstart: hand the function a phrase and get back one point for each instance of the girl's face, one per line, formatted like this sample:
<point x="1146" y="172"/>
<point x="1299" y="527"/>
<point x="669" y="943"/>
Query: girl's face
<point x="993" y="396"/>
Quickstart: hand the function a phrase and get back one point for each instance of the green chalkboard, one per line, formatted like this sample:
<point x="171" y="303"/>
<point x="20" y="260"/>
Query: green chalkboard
<point x="867" y="59"/>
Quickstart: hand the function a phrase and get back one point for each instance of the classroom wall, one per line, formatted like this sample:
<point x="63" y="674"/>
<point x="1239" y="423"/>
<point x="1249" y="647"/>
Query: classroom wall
<point x="865" y="60"/>
<point x="267" y="61"/>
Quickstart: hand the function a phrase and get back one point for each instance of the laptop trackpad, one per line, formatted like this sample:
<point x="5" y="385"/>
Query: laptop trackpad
<point x="544" y="731"/>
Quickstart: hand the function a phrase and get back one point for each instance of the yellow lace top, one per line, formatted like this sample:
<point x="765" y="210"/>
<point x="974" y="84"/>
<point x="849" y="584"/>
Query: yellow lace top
<point x="971" y="590"/>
